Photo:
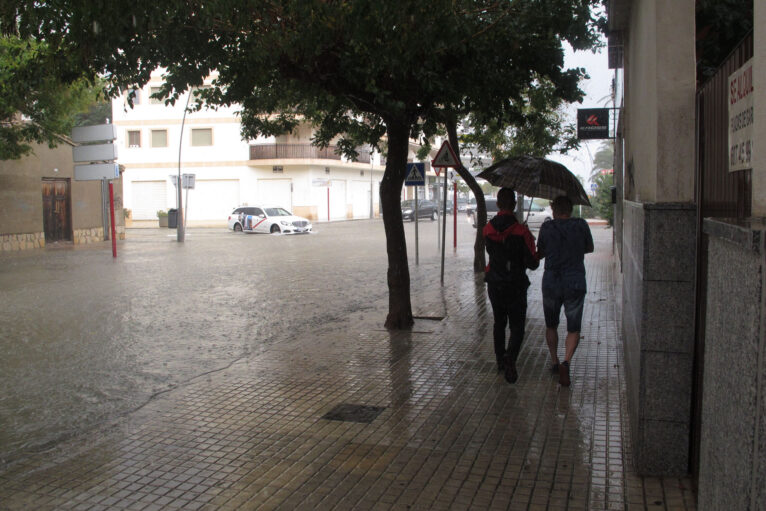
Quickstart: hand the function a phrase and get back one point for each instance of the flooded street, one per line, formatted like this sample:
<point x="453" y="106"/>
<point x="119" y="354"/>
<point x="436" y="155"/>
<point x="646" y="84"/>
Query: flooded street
<point x="86" y="339"/>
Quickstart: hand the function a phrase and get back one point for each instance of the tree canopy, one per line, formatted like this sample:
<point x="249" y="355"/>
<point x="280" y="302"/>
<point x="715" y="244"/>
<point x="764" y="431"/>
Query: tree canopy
<point x="356" y="69"/>
<point x="36" y="105"/>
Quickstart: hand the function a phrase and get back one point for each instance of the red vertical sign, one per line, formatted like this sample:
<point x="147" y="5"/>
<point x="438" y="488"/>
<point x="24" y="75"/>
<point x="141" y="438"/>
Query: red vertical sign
<point x="454" y="216"/>
<point x="111" y="213"/>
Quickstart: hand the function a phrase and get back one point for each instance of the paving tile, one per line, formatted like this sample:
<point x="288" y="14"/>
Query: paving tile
<point x="439" y="427"/>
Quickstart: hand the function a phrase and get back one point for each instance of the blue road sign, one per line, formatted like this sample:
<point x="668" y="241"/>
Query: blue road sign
<point x="416" y="174"/>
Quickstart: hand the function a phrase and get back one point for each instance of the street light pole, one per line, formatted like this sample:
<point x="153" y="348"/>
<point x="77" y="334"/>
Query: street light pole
<point x="180" y="212"/>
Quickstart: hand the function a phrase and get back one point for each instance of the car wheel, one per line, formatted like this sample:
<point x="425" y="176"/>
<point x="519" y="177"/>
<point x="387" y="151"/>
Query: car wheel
<point x="274" y="229"/>
<point x="237" y="228"/>
<point x="433" y="215"/>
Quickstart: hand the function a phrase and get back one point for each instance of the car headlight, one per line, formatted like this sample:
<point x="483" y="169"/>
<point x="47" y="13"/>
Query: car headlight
<point x="284" y="222"/>
<point x="407" y="211"/>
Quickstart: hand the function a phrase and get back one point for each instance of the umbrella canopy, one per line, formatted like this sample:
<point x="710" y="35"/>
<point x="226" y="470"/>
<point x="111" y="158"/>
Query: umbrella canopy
<point x="536" y="177"/>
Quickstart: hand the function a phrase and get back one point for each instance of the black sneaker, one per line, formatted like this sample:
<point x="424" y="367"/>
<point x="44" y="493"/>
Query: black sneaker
<point x="510" y="371"/>
<point x="564" y="380"/>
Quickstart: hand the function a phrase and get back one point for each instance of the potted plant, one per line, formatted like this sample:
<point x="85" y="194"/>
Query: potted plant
<point x="162" y="215"/>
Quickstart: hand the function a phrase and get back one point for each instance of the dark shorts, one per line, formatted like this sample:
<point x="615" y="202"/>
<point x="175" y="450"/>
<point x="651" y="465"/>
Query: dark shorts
<point x="571" y="299"/>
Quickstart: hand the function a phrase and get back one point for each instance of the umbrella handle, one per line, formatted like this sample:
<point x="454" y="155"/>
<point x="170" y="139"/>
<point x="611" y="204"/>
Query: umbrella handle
<point x="529" y="209"/>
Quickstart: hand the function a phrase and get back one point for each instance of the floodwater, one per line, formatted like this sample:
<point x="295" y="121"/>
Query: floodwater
<point x="86" y="339"/>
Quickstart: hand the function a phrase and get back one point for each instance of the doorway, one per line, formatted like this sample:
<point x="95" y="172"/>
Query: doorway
<point x="57" y="211"/>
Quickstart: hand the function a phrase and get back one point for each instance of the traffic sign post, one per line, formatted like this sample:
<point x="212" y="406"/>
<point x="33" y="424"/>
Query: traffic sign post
<point x="446" y="157"/>
<point x="187" y="183"/>
<point x="416" y="176"/>
<point x="98" y="165"/>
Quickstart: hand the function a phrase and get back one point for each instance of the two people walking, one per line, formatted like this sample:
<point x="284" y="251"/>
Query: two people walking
<point x="563" y="243"/>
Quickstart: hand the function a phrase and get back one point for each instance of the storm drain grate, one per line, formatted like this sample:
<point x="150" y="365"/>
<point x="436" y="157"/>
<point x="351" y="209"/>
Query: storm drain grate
<point x="354" y="413"/>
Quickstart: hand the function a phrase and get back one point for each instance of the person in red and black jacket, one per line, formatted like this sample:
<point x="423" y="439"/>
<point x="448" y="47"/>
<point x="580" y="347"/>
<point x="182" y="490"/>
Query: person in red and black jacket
<point x="511" y="249"/>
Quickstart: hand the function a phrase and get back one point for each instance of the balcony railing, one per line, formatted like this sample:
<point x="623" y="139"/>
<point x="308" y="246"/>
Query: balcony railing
<point x="287" y="151"/>
<point x="301" y="151"/>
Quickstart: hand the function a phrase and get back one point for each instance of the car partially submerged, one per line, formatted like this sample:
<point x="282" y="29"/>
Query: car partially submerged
<point x="274" y="220"/>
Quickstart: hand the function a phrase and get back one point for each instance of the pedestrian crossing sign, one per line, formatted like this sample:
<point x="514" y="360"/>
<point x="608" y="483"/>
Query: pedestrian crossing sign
<point x="446" y="157"/>
<point x="416" y="174"/>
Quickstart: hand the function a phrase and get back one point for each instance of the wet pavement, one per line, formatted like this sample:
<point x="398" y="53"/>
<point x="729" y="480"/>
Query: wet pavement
<point x="243" y="371"/>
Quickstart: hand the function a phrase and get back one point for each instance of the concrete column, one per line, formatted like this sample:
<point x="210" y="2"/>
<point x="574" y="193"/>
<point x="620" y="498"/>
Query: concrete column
<point x="759" y="137"/>
<point x="659" y="231"/>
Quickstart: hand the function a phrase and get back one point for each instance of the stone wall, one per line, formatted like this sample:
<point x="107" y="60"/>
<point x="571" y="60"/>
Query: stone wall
<point x="733" y="426"/>
<point x="28" y="241"/>
<point x="14" y="242"/>
<point x="659" y="246"/>
<point x="82" y="236"/>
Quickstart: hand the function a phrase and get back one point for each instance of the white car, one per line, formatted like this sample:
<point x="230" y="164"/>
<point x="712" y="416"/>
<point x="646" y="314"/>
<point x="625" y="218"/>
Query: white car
<point x="537" y="214"/>
<point x="272" y="220"/>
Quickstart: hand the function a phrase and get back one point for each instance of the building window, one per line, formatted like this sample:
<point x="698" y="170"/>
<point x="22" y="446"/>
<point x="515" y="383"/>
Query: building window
<point x="159" y="138"/>
<point x="155" y="101"/>
<point x="277" y="169"/>
<point x="135" y="95"/>
<point x="134" y="138"/>
<point x="202" y="136"/>
<point x="327" y="170"/>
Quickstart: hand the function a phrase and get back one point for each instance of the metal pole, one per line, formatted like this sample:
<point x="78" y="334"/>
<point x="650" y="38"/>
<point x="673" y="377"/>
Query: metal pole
<point x="111" y="213"/>
<point x="444" y="224"/>
<point x="417" y="254"/>
<point x="180" y="209"/>
<point x="372" y="188"/>
<point x="454" y="215"/>
<point x="105" y="207"/>
<point x="186" y="212"/>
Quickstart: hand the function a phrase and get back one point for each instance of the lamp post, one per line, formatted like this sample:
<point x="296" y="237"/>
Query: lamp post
<point x="180" y="213"/>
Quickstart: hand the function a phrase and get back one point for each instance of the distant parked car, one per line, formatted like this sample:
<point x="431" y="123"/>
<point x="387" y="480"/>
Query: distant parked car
<point x="273" y="220"/>
<point x="470" y="205"/>
<point x="491" y="203"/>
<point x="450" y="207"/>
<point x="461" y="204"/>
<point x="426" y="209"/>
<point x="537" y="214"/>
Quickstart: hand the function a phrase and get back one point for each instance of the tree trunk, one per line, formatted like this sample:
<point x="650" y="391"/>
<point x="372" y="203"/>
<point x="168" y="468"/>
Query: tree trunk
<point x="479" y="257"/>
<point x="399" y="305"/>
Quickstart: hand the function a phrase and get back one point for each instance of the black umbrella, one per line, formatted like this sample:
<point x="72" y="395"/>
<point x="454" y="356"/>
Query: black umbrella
<point x="536" y="177"/>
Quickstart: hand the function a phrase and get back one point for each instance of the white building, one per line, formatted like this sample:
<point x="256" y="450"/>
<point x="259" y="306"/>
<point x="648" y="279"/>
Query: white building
<point x="286" y="171"/>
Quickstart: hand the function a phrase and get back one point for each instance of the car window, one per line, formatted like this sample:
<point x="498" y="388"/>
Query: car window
<point x="257" y="212"/>
<point x="237" y="211"/>
<point x="276" y="212"/>
<point x="537" y="207"/>
<point x="491" y="205"/>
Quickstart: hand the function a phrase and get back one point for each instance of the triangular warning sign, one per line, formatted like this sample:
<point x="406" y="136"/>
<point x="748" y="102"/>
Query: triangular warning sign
<point x="445" y="157"/>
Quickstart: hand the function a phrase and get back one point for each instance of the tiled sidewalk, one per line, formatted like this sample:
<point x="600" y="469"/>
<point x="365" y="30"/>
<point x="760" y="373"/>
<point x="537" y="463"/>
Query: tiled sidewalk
<point x="438" y="427"/>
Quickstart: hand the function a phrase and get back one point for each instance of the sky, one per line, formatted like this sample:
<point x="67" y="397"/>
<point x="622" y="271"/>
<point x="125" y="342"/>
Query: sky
<point x="597" y="90"/>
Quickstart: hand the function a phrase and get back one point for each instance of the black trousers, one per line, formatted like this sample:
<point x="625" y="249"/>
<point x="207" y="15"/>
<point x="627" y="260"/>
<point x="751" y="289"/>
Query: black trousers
<point x="509" y="307"/>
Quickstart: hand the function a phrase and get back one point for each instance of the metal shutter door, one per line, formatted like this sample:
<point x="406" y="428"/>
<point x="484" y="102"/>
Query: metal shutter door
<point x="148" y="198"/>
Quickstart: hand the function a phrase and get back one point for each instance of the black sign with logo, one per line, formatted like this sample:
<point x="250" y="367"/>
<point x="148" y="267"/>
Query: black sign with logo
<point x="592" y="123"/>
